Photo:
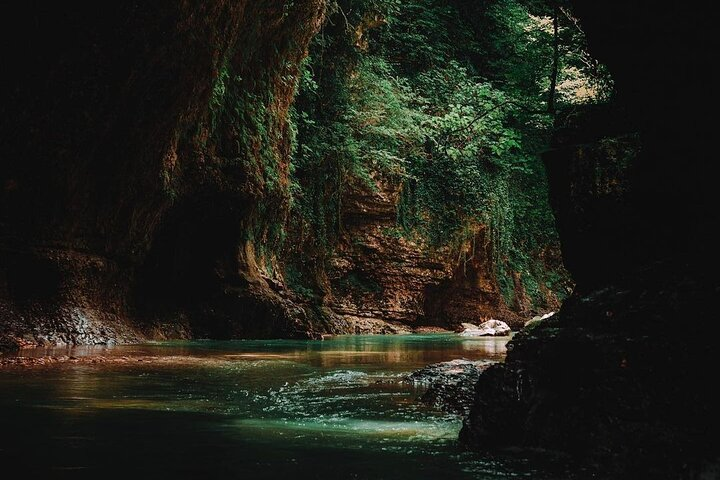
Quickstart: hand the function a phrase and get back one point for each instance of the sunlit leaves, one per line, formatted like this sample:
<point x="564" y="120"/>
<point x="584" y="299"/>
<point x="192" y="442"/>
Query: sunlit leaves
<point x="453" y="109"/>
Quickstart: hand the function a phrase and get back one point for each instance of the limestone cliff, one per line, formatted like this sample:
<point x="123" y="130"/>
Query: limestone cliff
<point x="376" y="274"/>
<point x="388" y="224"/>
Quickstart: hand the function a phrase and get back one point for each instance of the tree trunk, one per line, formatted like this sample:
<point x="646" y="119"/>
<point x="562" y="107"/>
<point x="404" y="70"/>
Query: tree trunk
<point x="555" y="61"/>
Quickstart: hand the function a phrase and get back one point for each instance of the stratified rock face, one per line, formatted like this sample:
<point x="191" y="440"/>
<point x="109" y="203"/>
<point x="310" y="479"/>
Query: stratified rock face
<point x="144" y="166"/>
<point x="473" y="293"/>
<point x="378" y="274"/>
<point x="375" y="272"/>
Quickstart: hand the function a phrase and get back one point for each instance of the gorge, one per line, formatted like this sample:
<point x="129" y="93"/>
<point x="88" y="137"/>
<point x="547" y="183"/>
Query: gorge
<point x="306" y="169"/>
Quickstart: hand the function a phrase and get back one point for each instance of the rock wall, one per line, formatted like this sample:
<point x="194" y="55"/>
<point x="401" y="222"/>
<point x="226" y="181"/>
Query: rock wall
<point x="144" y="168"/>
<point x="594" y="153"/>
<point x="473" y="292"/>
<point x="377" y="275"/>
<point x="144" y="187"/>
<point x="616" y="378"/>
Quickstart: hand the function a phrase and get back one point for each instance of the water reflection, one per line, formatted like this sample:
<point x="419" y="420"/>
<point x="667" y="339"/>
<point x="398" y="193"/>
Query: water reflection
<point x="489" y="346"/>
<point x="262" y="409"/>
<point x="338" y="351"/>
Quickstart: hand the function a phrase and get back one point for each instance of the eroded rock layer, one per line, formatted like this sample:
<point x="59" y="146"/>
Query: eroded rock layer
<point x="378" y="275"/>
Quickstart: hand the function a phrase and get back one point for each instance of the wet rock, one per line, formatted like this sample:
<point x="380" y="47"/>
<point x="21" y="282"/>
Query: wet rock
<point x="375" y="326"/>
<point x="450" y="385"/>
<point x="615" y="389"/>
<point x="492" y="328"/>
<point x="538" y="318"/>
<point x="466" y="326"/>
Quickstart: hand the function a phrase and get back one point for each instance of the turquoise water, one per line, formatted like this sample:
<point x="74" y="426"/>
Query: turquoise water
<point x="243" y="409"/>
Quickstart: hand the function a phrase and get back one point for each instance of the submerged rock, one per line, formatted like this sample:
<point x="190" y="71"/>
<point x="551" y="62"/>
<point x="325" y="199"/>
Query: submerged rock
<point x="451" y="385"/>
<point x="494" y="328"/>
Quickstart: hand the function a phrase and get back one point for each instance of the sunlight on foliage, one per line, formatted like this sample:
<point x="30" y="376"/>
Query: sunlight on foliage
<point x="458" y="118"/>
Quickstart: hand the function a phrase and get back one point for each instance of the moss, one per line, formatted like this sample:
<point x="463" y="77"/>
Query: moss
<point x="506" y="284"/>
<point x="359" y="282"/>
<point x="217" y="98"/>
<point x="297" y="282"/>
<point x="392" y="105"/>
<point x="393" y="232"/>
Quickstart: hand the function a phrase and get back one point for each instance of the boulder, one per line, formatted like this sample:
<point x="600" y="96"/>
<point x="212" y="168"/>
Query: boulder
<point x="450" y="385"/>
<point x="491" y="328"/>
<point x="466" y="326"/>
<point x="538" y="318"/>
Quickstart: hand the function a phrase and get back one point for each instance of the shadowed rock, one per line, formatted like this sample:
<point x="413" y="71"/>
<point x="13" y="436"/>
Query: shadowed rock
<point x="451" y="385"/>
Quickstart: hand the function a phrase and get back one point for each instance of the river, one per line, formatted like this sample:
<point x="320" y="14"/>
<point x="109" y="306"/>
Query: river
<point x="243" y="409"/>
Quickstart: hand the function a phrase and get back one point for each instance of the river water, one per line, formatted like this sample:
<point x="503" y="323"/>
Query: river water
<point x="243" y="409"/>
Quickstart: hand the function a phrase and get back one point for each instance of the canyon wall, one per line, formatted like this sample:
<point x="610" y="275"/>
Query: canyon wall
<point x="379" y="275"/>
<point x="616" y="377"/>
<point x="145" y="189"/>
<point x="144" y="163"/>
<point x="376" y="275"/>
<point x="391" y="229"/>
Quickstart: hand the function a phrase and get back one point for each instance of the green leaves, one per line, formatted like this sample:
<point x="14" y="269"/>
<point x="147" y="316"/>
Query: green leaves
<point x="446" y="98"/>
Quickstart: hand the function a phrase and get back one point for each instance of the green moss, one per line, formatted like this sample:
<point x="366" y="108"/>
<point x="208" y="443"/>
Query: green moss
<point x="217" y="97"/>
<point x="297" y="281"/>
<point x="507" y="286"/>
<point x="393" y="232"/>
<point x="360" y="282"/>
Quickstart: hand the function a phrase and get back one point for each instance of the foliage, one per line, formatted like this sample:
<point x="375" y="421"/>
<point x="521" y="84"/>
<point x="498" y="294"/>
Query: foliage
<point x="454" y="110"/>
